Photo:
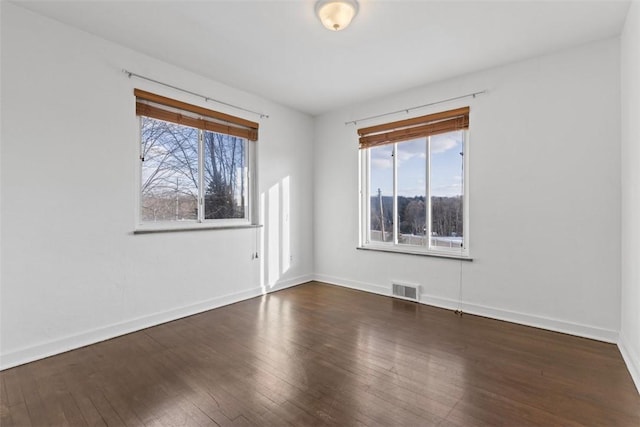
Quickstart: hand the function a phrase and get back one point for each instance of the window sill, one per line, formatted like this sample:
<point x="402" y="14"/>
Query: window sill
<point x="199" y="227"/>
<point x="414" y="252"/>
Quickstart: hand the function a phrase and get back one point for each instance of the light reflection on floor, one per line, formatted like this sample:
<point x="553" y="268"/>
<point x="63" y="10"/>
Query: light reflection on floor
<point x="319" y="354"/>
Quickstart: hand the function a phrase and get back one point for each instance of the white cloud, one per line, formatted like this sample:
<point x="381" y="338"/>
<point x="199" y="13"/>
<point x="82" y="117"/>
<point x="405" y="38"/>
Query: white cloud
<point x="450" y="190"/>
<point x="411" y="191"/>
<point x="414" y="145"/>
<point x="381" y="157"/>
<point x="381" y="163"/>
<point x="404" y="156"/>
<point x="440" y="145"/>
<point x="412" y="149"/>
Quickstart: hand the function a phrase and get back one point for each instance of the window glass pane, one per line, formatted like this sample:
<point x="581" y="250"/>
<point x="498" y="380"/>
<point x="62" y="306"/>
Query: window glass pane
<point x="225" y="176"/>
<point x="381" y="193"/>
<point x="412" y="188"/>
<point x="446" y="182"/>
<point x="169" y="189"/>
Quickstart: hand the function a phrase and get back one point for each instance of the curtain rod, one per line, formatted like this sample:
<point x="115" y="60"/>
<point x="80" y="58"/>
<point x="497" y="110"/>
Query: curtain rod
<point x="206" y="98"/>
<point x="406" y="110"/>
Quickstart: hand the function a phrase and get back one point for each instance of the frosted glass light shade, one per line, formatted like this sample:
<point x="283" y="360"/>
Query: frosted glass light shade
<point x="336" y="15"/>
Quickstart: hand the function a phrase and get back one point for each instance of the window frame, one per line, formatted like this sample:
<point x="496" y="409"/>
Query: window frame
<point x="251" y="215"/>
<point x="365" y="241"/>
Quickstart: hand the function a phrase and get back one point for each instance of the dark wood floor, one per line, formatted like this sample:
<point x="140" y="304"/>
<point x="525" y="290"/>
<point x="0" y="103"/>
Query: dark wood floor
<point x="323" y="355"/>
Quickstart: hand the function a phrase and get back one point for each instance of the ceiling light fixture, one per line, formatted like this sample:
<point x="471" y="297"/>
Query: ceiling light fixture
<point x="336" y="15"/>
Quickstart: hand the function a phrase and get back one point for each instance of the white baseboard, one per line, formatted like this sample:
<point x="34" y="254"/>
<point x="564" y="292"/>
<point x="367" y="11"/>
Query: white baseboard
<point x="632" y="359"/>
<point x="360" y="286"/>
<point x="288" y="283"/>
<point x="57" y="346"/>
<point x="61" y="345"/>
<point x="585" y="331"/>
<point x="555" y="325"/>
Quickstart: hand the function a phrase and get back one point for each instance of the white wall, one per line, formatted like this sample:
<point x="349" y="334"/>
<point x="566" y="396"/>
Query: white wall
<point x="72" y="271"/>
<point x="630" y="325"/>
<point x="544" y="195"/>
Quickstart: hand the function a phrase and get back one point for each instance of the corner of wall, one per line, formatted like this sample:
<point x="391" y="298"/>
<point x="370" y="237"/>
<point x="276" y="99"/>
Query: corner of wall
<point x="629" y="341"/>
<point x="632" y="360"/>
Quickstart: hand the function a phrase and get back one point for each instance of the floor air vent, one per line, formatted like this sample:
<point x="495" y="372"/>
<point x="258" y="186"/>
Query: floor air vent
<point x="406" y="291"/>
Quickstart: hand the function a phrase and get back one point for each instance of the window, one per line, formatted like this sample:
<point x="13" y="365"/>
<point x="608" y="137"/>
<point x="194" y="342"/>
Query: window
<point x="413" y="185"/>
<point x="195" y="165"/>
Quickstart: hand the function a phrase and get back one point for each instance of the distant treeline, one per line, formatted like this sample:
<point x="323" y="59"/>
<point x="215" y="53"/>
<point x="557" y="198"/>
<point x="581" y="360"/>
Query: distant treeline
<point x="446" y="215"/>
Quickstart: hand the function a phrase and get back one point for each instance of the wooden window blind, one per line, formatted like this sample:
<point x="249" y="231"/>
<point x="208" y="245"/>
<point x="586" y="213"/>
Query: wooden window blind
<point x="159" y="107"/>
<point x="418" y="127"/>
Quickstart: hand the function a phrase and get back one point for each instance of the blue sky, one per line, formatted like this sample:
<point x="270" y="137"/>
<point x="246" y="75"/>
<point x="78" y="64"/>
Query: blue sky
<point x="446" y="167"/>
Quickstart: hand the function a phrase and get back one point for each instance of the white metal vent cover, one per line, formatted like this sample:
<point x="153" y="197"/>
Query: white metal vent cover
<point x="409" y="292"/>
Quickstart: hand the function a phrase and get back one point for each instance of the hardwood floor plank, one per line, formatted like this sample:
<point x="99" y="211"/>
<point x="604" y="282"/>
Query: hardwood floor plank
<point x="38" y="411"/>
<point x="18" y="416"/>
<point x="88" y="410"/>
<point x="106" y="411"/>
<point x="5" y="416"/>
<point x="12" y="395"/>
<point x="323" y="355"/>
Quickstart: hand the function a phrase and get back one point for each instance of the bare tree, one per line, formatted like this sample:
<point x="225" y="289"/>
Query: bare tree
<point x="169" y="153"/>
<point x="415" y="216"/>
<point x="225" y="171"/>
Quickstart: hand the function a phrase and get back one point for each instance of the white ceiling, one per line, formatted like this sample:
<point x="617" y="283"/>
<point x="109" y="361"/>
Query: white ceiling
<point x="279" y="49"/>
